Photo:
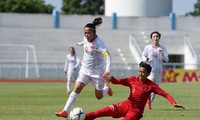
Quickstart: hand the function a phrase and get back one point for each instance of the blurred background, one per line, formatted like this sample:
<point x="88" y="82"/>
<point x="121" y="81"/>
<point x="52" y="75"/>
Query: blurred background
<point x="35" y="35"/>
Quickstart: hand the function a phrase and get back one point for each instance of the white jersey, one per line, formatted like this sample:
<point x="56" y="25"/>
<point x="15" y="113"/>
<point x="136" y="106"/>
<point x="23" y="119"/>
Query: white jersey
<point x="94" y="54"/>
<point x="155" y="60"/>
<point x="71" y="62"/>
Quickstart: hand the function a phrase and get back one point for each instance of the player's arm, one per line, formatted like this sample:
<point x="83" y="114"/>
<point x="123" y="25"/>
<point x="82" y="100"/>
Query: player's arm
<point x="113" y="80"/>
<point x="165" y="55"/>
<point x="103" y="49"/>
<point x="108" y="61"/>
<point x="159" y="91"/>
<point x="77" y="62"/>
<point x="66" y="65"/>
<point x="171" y="99"/>
<point x="122" y="81"/>
<point x="80" y="43"/>
<point x="145" y="55"/>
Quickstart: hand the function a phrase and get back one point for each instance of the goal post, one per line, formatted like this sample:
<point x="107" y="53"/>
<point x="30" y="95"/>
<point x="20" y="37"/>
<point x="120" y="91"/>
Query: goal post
<point x="28" y="48"/>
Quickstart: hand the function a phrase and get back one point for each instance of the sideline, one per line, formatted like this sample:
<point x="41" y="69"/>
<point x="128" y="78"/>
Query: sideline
<point x="14" y="80"/>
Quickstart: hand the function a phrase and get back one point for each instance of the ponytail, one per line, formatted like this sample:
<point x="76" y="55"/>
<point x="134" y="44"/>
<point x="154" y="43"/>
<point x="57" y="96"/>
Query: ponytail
<point x="96" y="23"/>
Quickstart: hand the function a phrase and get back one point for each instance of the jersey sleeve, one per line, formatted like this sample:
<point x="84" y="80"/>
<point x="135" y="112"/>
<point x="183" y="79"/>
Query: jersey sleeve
<point x="77" y="62"/>
<point x="108" y="61"/>
<point x="123" y="81"/>
<point x="165" y="57"/>
<point x="81" y="43"/>
<point x="168" y="97"/>
<point x="145" y="54"/>
<point x="106" y="54"/>
<point x="66" y="64"/>
<point x="159" y="91"/>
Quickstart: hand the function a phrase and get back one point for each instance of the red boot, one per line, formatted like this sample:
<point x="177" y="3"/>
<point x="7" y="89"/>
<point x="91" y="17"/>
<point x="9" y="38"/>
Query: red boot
<point x="61" y="113"/>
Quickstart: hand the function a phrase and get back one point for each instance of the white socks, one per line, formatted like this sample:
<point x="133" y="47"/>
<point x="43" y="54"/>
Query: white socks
<point x="69" y="81"/>
<point x="73" y="96"/>
<point x="152" y="95"/>
<point x="105" y="90"/>
<point x="70" y="101"/>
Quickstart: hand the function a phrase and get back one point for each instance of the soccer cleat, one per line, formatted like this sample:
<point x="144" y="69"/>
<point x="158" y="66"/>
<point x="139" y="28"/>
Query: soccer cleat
<point x="110" y="92"/>
<point x="148" y="104"/>
<point x="61" y="113"/>
<point x="67" y="92"/>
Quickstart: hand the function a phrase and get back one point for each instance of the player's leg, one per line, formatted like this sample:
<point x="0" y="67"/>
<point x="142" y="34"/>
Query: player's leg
<point x="152" y="97"/>
<point x="104" y="112"/>
<point x="148" y="104"/>
<point x="157" y="81"/>
<point x="79" y="85"/>
<point x="66" y="82"/>
<point x="132" y="116"/>
<point x="72" y="98"/>
<point x="101" y="89"/>
<point x="106" y="86"/>
<point x="69" y="81"/>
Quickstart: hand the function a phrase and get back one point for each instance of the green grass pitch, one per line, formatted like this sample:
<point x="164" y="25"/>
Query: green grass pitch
<point x="39" y="101"/>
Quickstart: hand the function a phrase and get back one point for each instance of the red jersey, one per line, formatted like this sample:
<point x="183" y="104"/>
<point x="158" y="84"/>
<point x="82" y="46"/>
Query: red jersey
<point x="140" y="91"/>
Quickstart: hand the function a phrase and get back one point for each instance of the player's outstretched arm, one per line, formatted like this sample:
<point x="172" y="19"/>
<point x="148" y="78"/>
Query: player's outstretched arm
<point x="171" y="99"/>
<point x="79" y="43"/>
<point x="179" y="106"/>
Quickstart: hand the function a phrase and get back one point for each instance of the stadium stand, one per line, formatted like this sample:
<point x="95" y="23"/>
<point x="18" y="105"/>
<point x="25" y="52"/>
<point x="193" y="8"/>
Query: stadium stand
<point x="52" y="44"/>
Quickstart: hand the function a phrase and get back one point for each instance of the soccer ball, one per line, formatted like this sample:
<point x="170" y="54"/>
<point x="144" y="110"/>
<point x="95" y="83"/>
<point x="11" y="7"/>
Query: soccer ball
<point x="77" y="114"/>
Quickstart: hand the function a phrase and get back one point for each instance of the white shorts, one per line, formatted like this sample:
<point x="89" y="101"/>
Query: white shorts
<point x="156" y="77"/>
<point x="72" y="74"/>
<point x="95" y="76"/>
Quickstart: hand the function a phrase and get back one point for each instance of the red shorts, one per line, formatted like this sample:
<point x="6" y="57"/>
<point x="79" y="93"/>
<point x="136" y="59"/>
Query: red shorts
<point x="125" y="109"/>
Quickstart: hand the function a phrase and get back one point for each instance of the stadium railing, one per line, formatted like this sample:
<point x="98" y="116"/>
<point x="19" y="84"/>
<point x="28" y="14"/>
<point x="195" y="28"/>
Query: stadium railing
<point x="56" y="70"/>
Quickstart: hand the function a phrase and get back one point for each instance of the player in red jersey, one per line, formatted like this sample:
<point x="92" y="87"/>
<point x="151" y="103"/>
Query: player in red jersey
<point x="140" y="89"/>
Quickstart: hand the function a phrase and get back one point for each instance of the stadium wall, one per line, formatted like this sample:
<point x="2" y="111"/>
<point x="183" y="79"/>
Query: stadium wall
<point x="70" y="21"/>
<point x="38" y="21"/>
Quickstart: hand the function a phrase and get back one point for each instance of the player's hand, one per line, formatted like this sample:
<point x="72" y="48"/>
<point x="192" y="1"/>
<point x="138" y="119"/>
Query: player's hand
<point x="79" y="43"/>
<point x="161" y="52"/>
<point x="107" y="76"/>
<point x="74" y="68"/>
<point x="179" y="106"/>
<point x="147" y="58"/>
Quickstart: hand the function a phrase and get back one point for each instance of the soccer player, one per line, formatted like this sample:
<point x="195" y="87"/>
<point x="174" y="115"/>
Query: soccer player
<point x="140" y="89"/>
<point x="154" y="54"/>
<point x="72" y="63"/>
<point x="93" y="66"/>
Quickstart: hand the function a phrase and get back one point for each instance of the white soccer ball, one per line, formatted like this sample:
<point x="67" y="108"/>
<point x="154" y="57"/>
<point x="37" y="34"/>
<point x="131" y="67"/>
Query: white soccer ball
<point x="77" y="114"/>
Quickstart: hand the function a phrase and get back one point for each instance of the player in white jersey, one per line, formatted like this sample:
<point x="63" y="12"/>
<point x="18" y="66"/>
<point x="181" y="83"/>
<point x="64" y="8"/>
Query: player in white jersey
<point x="71" y="67"/>
<point x="93" y="67"/>
<point x="154" y="54"/>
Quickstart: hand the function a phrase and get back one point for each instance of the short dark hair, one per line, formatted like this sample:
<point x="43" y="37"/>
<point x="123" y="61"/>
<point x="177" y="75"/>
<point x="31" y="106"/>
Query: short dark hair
<point x="147" y="66"/>
<point x="71" y="48"/>
<point x="156" y="33"/>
